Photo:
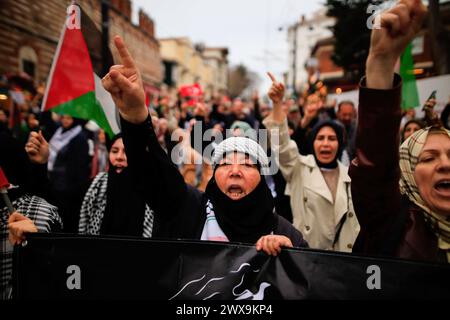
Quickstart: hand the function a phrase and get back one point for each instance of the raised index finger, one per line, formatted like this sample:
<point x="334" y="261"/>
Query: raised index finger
<point x="127" y="59"/>
<point x="272" y="77"/>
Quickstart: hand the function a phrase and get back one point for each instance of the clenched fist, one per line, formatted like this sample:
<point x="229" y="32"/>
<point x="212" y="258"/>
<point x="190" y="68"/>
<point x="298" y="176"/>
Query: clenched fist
<point x="37" y="148"/>
<point x="399" y="26"/>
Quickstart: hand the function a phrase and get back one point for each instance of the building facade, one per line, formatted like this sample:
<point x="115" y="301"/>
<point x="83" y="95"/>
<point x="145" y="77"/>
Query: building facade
<point x="186" y="64"/>
<point x="311" y="42"/>
<point x="217" y="58"/>
<point x="302" y="37"/>
<point x="30" y="30"/>
<point x="422" y="51"/>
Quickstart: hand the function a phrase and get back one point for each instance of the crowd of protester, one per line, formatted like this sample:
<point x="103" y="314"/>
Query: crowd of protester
<point x="343" y="183"/>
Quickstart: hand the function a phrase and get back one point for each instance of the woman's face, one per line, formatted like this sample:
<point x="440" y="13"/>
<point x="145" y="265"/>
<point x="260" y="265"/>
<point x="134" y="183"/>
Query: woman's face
<point x="237" y="175"/>
<point x="410" y="129"/>
<point x="117" y="156"/>
<point x="432" y="173"/>
<point x="326" y="145"/>
<point x="101" y="136"/>
<point x="66" y="121"/>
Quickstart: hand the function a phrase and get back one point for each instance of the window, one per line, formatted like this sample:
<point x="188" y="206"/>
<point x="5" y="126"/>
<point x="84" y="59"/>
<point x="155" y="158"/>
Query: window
<point x="417" y="45"/>
<point x="29" y="68"/>
<point x="28" y="61"/>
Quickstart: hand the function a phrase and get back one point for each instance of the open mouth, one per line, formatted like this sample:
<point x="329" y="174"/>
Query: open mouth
<point x="236" y="191"/>
<point x="119" y="169"/>
<point x="443" y="186"/>
<point x="326" y="153"/>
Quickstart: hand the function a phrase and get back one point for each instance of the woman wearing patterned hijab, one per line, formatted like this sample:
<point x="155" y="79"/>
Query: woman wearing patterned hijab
<point x="402" y="199"/>
<point x="425" y="180"/>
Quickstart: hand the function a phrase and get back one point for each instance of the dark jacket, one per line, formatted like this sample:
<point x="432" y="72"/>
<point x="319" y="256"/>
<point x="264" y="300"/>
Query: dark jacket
<point x="179" y="209"/>
<point x="390" y="223"/>
<point x="71" y="170"/>
<point x="31" y="177"/>
<point x="69" y="180"/>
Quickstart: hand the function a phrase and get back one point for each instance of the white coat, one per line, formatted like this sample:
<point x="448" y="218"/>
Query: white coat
<point x="324" y="223"/>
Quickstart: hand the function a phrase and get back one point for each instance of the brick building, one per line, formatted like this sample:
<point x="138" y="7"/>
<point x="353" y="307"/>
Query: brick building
<point x="334" y="77"/>
<point x="312" y="40"/>
<point x="29" y="33"/>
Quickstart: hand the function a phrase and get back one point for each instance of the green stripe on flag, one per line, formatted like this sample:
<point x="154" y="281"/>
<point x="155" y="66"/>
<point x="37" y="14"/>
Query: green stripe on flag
<point x="85" y="107"/>
<point x="410" y="96"/>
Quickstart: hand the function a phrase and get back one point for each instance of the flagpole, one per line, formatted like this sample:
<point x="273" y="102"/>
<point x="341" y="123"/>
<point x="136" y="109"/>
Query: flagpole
<point x="4" y="184"/>
<point x="7" y="200"/>
<point x="105" y="35"/>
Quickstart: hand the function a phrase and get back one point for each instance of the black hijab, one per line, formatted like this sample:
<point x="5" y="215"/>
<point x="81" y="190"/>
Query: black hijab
<point x="110" y="141"/>
<point x="419" y="122"/>
<point x="125" y="206"/>
<point x="340" y="136"/>
<point x="76" y="122"/>
<point x="16" y="166"/>
<point x="246" y="219"/>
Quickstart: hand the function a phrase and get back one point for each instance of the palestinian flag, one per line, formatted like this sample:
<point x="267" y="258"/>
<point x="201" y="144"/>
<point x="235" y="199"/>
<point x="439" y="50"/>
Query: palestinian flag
<point x="74" y="85"/>
<point x="410" y="96"/>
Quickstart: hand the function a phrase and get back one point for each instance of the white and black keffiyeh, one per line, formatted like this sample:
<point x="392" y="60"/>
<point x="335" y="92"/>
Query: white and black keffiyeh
<point x="94" y="205"/>
<point x="44" y="216"/>
<point x="211" y="229"/>
<point x="59" y="140"/>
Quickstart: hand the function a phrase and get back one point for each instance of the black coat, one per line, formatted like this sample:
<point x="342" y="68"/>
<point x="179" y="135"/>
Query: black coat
<point x="69" y="180"/>
<point x="71" y="170"/>
<point x="179" y="209"/>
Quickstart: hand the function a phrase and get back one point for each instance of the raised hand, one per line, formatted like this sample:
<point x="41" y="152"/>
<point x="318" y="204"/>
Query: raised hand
<point x="255" y="95"/>
<point x="200" y="109"/>
<point x="125" y="85"/>
<point x="276" y="94"/>
<point x="276" y="91"/>
<point x="398" y="27"/>
<point x="37" y="148"/>
<point x="431" y="117"/>
<point x="312" y="107"/>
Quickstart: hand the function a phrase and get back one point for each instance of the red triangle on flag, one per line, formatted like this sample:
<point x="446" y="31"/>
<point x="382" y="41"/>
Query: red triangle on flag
<point x="3" y="181"/>
<point x="72" y="74"/>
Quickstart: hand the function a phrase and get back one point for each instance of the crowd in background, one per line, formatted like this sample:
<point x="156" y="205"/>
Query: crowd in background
<point x="78" y="147"/>
<point x="342" y="183"/>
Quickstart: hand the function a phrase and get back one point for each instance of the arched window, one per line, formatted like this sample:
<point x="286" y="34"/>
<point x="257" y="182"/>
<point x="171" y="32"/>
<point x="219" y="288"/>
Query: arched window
<point x="28" y="61"/>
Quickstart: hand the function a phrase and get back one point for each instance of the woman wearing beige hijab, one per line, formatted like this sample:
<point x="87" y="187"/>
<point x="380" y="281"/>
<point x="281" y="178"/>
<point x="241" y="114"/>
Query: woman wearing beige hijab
<point x="402" y="199"/>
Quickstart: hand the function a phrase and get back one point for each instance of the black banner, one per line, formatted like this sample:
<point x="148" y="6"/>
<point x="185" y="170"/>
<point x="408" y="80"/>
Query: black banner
<point x="81" y="267"/>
